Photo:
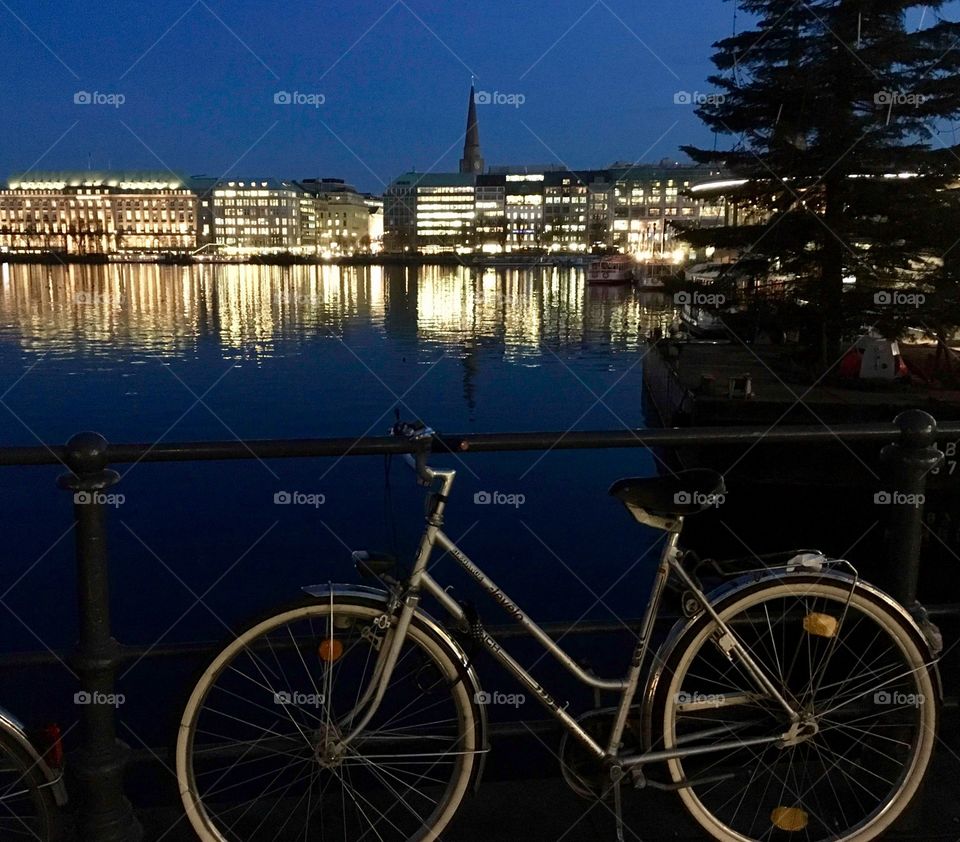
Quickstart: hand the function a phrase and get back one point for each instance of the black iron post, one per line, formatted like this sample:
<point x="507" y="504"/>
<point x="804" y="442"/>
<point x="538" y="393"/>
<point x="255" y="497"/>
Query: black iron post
<point x="105" y="813"/>
<point x="908" y="461"/>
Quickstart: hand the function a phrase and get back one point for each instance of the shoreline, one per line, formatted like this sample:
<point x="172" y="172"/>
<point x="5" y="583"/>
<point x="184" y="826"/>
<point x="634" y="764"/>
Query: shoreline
<point x="500" y="261"/>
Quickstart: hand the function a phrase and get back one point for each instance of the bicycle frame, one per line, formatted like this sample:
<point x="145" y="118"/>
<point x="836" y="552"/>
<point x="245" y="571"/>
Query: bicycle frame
<point x="421" y="581"/>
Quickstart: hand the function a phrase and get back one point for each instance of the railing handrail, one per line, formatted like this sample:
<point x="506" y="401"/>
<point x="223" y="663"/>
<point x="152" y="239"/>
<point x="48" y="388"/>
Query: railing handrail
<point x="471" y="443"/>
<point x="106" y="814"/>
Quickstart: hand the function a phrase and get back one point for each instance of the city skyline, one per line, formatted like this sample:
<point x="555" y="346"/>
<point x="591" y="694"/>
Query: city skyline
<point x="379" y="92"/>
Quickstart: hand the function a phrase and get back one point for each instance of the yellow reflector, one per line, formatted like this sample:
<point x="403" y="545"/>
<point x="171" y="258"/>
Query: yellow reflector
<point x="822" y="625"/>
<point x="789" y="818"/>
<point x="330" y="650"/>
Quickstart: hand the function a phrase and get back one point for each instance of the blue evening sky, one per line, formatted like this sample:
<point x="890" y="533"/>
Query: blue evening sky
<point x="381" y="85"/>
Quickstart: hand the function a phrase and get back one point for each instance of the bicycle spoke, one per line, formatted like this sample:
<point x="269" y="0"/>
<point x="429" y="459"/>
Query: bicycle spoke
<point x="259" y="769"/>
<point x="860" y="684"/>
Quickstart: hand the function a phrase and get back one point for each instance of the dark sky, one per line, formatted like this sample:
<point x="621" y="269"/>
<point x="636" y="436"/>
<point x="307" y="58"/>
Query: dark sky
<point x="198" y="78"/>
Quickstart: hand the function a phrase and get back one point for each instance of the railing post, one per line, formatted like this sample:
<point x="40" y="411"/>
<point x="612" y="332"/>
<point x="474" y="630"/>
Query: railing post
<point x="908" y="462"/>
<point x="105" y="813"/>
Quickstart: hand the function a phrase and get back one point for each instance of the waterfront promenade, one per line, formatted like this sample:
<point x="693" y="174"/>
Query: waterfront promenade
<point x="542" y="809"/>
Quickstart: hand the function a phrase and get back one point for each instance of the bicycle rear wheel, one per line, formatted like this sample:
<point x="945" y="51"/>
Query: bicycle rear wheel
<point x="256" y="755"/>
<point x="28" y="808"/>
<point x="851" y="662"/>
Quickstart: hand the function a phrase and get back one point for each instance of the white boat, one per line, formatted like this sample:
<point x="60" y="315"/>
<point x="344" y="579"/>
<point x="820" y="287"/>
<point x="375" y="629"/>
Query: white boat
<point x="615" y="269"/>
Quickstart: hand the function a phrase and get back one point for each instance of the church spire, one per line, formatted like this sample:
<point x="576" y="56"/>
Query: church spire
<point x="472" y="162"/>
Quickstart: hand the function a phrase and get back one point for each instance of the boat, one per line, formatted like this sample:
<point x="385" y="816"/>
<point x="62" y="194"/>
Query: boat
<point x="614" y="269"/>
<point x="650" y="276"/>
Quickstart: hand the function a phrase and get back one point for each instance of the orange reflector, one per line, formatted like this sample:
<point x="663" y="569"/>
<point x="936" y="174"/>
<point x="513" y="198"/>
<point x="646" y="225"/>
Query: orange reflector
<point x="821" y="625"/>
<point x="330" y="650"/>
<point x="788" y="818"/>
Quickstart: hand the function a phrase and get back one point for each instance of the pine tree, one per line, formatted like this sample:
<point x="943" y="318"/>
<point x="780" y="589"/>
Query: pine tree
<point x="831" y="105"/>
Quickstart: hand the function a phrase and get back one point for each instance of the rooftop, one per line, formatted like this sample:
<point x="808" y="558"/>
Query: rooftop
<point x="119" y="179"/>
<point x="434" y="179"/>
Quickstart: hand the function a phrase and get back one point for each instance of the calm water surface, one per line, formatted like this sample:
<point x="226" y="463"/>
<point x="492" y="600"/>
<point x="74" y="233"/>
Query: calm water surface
<point x="147" y="353"/>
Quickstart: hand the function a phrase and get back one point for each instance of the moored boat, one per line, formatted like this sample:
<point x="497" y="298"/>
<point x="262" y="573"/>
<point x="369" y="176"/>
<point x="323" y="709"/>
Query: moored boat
<point x="650" y="276"/>
<point x="614" y="269"/>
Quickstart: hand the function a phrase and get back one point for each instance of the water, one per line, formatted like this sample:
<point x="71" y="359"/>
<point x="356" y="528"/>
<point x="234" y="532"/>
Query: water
<point x="150" y="353"/>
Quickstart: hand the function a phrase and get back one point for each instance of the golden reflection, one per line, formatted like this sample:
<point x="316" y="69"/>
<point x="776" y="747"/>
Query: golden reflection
<point x="251" y="311"/>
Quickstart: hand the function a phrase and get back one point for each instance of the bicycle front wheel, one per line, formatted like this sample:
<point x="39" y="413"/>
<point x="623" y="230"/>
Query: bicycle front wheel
<point x="862" y="679"/>
<point x="258" y="754"/>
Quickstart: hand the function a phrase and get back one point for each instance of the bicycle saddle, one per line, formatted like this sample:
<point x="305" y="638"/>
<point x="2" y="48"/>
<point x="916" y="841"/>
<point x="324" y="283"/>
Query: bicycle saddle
<point x="683" y="493"/>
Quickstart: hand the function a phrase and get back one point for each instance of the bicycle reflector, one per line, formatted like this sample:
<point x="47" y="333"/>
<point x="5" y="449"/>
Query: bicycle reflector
<point x="49" y="744"/>
<point x="820" y="625"/>
<point x="789" y="818"/>
<point x="330" y="650"/>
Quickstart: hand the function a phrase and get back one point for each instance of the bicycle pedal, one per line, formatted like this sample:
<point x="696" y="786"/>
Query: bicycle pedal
<point x="373" y="565"/>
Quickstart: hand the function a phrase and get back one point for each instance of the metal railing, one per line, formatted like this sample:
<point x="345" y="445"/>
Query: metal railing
<point x="909" y="453"/>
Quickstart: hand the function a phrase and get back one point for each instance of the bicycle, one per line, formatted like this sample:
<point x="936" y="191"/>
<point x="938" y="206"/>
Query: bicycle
<point x="794" y="700"/>
<point x="31" y="785"/>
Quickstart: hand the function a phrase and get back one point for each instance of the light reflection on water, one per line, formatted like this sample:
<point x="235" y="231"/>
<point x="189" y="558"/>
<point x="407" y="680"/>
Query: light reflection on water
<point x="253" y="312"/>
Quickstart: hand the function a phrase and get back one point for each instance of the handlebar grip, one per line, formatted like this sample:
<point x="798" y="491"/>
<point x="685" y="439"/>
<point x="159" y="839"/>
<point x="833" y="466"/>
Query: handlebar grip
<point x="407" y="428"/>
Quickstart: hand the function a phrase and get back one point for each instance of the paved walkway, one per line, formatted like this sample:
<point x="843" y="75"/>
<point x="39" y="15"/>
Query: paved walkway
<point x="544" y="810"/>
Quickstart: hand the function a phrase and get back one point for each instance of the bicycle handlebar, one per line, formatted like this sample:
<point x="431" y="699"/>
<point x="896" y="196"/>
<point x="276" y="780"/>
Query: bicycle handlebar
<point x="417" y="431"/>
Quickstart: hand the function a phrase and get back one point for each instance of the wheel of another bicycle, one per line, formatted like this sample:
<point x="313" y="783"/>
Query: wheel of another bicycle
<point x="851" y="662"/>
<point x="257" y="750"/>
<point x="28" y="809"/>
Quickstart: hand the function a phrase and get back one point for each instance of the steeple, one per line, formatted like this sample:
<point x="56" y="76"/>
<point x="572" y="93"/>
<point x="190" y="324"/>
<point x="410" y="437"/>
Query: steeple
<point x="472" y="162"/>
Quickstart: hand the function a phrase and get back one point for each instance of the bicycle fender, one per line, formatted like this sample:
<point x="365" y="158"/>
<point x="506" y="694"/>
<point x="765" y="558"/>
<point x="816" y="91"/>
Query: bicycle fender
<point x="379" y="596"/>
<point x="12" y="727"/>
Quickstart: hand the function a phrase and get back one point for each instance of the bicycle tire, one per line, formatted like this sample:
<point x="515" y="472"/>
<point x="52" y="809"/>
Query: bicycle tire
<point x="28" y="807"/>
<point x="692" y="660"/>
<point x="348" y="612"/>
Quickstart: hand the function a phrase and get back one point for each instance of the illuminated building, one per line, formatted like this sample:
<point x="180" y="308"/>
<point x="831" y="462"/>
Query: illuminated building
<point x="97" y="213"/>
<point x="257" y="216"/>
<point x="148" y="212"/>
<point x="335" y="218"/>
<point x="430" y="212"/>
<point x="515" y="209"/>
<point x="490" y="214"/>
<point x="523" y="206"/>
<point x="374" y="222"/>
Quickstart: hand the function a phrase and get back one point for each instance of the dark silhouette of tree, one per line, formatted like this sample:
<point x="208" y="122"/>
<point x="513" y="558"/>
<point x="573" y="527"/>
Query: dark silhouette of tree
<point x="830" y="102"/>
